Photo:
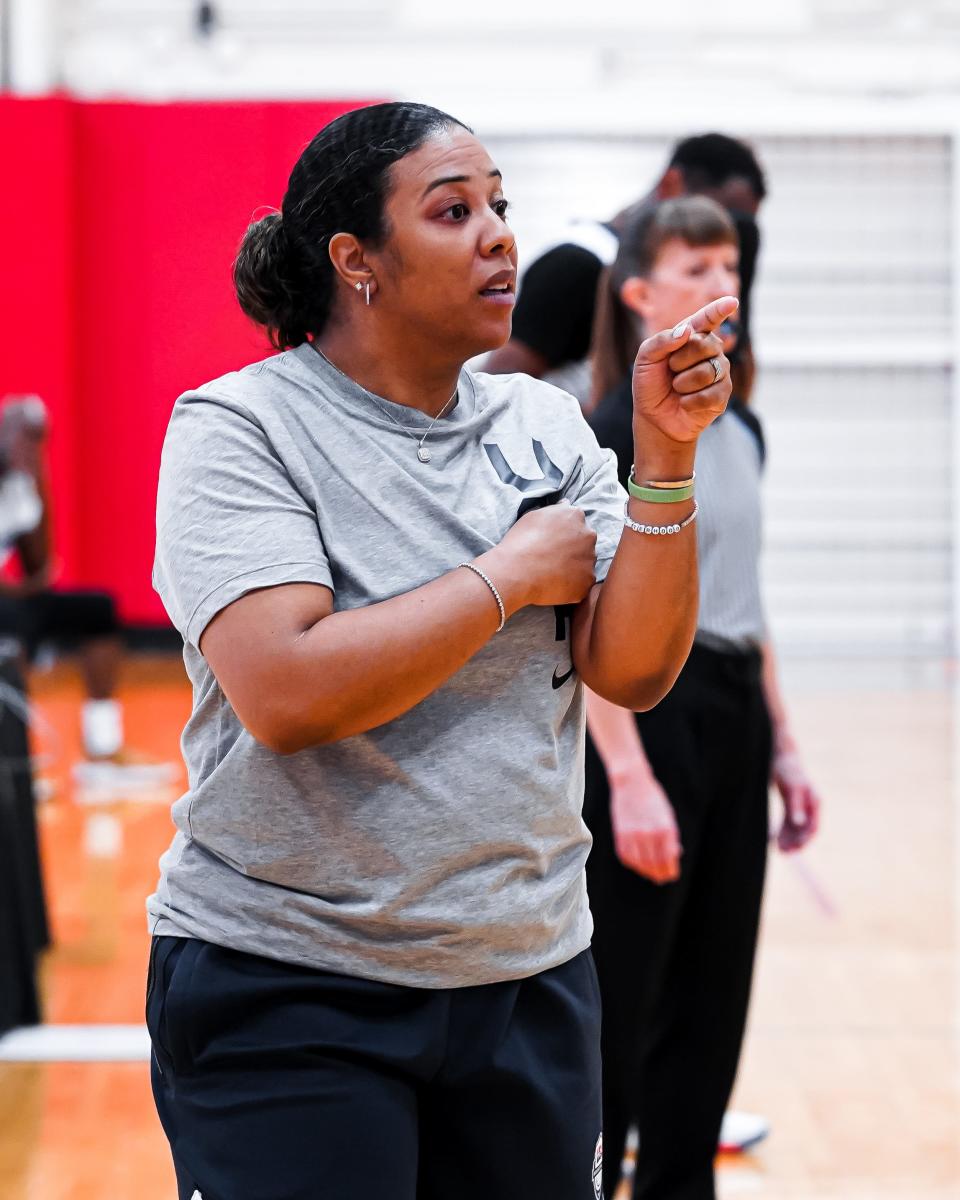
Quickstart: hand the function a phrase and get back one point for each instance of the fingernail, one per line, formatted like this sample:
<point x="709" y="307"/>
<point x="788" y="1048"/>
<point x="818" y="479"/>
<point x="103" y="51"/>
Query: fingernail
<point x="679" y="330"/>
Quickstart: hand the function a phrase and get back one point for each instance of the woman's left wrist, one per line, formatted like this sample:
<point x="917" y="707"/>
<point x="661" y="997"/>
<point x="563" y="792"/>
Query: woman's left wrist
<point x="660" y="458"/>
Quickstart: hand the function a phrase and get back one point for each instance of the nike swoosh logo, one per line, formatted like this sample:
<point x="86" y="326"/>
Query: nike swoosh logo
<point x="559" y="680"/>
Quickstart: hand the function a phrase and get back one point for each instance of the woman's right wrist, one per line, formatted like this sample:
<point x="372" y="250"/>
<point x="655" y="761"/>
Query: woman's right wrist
<point x="511" y="580"/>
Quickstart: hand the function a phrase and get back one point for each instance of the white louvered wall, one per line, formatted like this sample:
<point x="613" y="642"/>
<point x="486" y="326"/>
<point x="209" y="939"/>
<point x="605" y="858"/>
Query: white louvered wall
<point x="852" y="330"/>
<point x="853" y="305"/>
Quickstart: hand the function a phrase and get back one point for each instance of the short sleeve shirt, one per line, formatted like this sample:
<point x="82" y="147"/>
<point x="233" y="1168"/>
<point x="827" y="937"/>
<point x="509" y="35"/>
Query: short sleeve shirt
<point x="446" y="847"/>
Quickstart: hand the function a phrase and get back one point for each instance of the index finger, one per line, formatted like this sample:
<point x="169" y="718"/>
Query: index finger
<point x="712" y="315"/>
<point x="705" y="320"/>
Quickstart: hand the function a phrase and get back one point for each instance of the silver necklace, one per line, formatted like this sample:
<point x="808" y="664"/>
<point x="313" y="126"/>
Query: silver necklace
<point x="422" y="452"/>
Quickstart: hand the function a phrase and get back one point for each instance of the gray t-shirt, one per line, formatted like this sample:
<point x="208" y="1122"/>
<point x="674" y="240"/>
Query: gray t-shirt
<point x="445" y="848"/>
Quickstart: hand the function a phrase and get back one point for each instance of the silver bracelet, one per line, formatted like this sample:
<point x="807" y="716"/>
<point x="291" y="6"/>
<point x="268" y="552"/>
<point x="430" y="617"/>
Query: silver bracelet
<point x="658" y="529"/>
<point x="490" y="584"/>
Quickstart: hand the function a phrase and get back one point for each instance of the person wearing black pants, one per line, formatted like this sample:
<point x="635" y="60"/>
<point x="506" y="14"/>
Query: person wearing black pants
<point x="708" y="745"/>
<point x="370" y="971"/>
<point x="676" y="798"/>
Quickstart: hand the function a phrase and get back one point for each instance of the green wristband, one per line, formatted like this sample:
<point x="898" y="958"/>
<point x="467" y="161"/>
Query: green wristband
<point x="659" y="495"/>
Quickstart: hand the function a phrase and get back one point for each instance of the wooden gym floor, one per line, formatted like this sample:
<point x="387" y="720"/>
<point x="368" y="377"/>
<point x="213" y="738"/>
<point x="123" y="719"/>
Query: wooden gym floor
<point x="853" y="1052"/>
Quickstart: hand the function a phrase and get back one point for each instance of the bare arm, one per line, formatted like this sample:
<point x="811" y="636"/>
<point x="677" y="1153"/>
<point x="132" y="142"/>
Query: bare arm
<point x="299" y="674"/>
<point x="615" y="735"/>
<point x="645" y="832"/>
<point x="782" y="737"/>
<point x="801" y="802"/>
<point x="633" y="634"/>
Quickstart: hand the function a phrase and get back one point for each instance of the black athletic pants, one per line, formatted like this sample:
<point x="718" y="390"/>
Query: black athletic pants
<point x="278" y="1082"/>
<point x="675" y="961"/>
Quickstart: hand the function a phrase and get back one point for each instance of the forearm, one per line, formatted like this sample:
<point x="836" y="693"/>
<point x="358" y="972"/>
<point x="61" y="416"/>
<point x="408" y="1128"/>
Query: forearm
<point x="782" y="737"/>
<point x="614" y="733"/>
<point x="357" y="669"/>
<point x="634" y="638"/>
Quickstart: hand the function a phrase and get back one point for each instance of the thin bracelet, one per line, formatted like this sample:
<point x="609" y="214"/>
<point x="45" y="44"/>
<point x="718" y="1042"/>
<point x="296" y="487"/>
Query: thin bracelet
<point x="656" y="491"/>
<point x="667" y="484"/>
<point x="657" y="530"/>
<point x="490" y="584"/>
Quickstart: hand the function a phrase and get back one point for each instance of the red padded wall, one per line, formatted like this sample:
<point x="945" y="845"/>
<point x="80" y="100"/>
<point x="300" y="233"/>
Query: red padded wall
<point x="122" y="221"/>
<point x="37" y="317"/>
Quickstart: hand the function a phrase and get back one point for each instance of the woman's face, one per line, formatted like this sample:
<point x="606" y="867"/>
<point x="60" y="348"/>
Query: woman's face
<point x="683" y="279"/>
<point x="448" y="268"/>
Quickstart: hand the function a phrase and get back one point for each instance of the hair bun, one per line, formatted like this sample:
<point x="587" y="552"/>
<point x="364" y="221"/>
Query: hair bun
<point x="265" y="281"/>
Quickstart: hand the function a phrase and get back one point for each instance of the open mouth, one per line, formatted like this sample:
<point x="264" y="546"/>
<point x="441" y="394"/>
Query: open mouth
<point x="501" y="295"/>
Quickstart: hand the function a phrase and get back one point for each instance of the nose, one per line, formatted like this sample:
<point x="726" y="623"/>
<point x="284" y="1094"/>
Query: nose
<point x="496" y="236"/>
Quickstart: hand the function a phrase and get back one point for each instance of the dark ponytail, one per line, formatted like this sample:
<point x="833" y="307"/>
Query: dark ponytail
<point x="283" y="275"/>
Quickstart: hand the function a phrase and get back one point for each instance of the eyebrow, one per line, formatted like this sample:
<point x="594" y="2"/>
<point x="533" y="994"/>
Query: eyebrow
<point x="494" y="174"/>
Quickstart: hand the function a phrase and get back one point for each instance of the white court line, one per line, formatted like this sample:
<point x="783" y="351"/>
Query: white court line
<point x="76" y="1043"/>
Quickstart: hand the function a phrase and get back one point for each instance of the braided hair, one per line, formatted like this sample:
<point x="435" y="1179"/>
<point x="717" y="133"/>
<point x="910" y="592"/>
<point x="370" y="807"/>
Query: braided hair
<point x="283" y="275"/>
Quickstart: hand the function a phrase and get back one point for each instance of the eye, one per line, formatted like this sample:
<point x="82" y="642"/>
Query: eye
<point x="458" y="211"/>
<point x="501" y="207"/>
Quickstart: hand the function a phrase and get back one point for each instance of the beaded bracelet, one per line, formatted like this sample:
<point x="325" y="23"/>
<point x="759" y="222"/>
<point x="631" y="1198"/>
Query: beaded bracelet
<point x="490" y="584"/>
<point x="657" y="530"/>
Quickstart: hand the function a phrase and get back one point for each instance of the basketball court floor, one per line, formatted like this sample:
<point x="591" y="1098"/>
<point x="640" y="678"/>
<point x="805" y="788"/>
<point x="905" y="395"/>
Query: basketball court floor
<point x="853" y="1052"/>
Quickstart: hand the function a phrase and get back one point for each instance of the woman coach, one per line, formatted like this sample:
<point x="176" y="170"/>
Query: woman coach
<point x="369" y="974"/>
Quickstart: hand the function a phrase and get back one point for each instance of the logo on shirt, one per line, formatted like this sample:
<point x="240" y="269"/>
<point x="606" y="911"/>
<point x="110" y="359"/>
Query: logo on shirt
<point x="559" y="680"/>
<point x="597" y="1172"/>
<point x="552" y="476"/>
<point x="556" y="486"/>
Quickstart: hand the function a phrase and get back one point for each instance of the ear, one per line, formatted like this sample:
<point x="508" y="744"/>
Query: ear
<point x="671" y="185"/>
<point x="635" y="294"/>
<point x="346" y="254"/>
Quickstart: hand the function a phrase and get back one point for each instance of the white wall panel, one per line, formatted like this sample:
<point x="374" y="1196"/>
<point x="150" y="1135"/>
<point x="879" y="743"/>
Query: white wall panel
<point x="854" y="302"/>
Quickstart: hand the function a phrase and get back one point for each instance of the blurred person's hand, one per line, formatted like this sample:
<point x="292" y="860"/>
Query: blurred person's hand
<point x="801" y="804"/>
<point x="645" y="832"/>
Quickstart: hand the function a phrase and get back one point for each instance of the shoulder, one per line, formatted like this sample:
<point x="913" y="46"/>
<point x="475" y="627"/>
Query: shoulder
<point x="527" y="396"/>
<point x="246" y="389"/>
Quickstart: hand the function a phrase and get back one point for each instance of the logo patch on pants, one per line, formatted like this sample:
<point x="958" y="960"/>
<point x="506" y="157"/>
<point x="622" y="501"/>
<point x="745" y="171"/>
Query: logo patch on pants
<point x="598" y="1168"/>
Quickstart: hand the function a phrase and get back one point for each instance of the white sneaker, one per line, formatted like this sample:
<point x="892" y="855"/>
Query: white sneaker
<point x="742" y="1131"/>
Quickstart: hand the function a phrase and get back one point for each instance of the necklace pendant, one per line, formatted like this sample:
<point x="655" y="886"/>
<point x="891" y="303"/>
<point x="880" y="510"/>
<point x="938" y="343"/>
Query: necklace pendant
<point x="423" y="454"/>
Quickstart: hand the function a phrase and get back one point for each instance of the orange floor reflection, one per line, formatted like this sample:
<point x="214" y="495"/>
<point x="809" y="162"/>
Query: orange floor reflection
<point x="81" y="1131"/>
<point x="853" y="1040"/>
<point x="100" y="861"/>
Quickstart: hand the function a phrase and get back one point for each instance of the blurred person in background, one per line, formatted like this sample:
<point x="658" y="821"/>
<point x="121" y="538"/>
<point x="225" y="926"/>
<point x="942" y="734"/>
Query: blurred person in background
<point x="34" y="612"/>
<point x="677" y="797"/>
<point x="556" y="305"/>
